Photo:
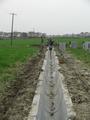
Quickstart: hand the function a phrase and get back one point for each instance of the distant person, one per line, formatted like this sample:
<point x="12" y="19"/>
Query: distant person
<point x="69" y="44"/>
<point x="42" y="42"/>
<point x="42" y="39"/>
<point x="50" y="44"/>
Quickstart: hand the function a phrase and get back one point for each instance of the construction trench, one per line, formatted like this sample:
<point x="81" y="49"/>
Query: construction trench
<point x="51" y="100"/>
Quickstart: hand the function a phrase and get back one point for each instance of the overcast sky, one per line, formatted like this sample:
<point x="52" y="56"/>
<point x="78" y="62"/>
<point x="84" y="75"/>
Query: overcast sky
<point x="49" y="16"/>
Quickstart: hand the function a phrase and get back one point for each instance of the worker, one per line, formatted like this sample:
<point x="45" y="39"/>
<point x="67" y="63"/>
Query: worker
<point x="50" y="43"/>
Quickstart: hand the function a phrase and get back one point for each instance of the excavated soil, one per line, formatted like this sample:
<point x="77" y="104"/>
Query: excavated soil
<point x="77" y="79"/>
<point x="16" y="102"/>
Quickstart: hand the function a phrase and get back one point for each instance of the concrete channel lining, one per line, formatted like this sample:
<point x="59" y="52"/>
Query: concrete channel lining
<point x="62" y="101"/>
<point x="36" y="99"/>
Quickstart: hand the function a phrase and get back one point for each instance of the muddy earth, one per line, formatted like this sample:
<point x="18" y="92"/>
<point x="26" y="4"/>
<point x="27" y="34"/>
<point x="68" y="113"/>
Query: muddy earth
<point x="77" y="80"/>
<point x="16" y="102"/>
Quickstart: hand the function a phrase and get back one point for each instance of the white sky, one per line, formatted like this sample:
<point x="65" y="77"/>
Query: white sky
<point x="49" y="16"/>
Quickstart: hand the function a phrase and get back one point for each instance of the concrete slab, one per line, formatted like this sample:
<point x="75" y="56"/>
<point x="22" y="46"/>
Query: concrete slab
<point x="52" y="100"/>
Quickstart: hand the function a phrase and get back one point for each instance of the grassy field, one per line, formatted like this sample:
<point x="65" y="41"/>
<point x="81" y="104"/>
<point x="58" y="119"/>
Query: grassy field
<point x="68" y="39"/>
<point x="19" y="52"/>
<point x="20" y="42"/>
<point x="79" y="53"/>
<point x="12" y="57"/>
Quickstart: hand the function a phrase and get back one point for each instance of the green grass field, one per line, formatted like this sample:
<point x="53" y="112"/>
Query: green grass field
<point x="68" y="39"/>
<point x="79" y="53"/>
<point x="19" y="52"/>
<point x="12" y="57"/>
<point x="20" y="42"/>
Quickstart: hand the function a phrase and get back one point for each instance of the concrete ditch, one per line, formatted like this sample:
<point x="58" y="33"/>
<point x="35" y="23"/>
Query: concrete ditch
<point x="51" y="100"/>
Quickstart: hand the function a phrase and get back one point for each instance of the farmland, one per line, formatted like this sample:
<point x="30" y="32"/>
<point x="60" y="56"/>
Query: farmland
<point x="20" y="67"/>
<point x="79" y="53"/>
<point x="75" y="66"/>
<point x="12" y="57"/>
<point x="19" y="52"/>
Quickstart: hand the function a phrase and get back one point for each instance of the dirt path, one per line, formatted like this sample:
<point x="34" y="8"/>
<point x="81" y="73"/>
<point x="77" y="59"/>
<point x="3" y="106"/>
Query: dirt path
<point x="15" y="104"/>
<point x="77" y="79"/>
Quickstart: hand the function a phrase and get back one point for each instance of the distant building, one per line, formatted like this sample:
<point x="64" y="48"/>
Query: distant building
<point x="84" y="34"/>
<point x="6" y="35"/>
<point x="17" y="34"/>
<point x="23" y="35"/>
<point x="1" y="34"/>
<point x="35" y="34"/>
